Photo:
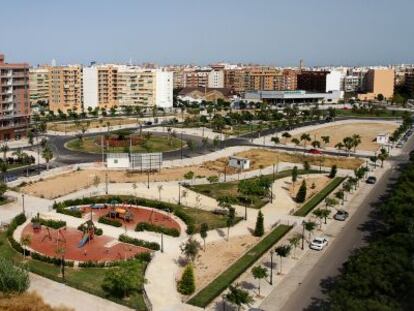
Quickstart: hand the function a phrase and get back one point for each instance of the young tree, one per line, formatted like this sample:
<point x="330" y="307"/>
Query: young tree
<point x="306" y="166"/>
<point x="309" y="226"/>
<point x="186" y="285"/>
<point x="259" y="229"/>
<point x="339" y="146"/>
<point x="4" y="167"/>
<point x="231" y="217"/>
<point x="294" y="242"/>
<point x="160" y="188"/>
<point x="13" y="279"/>
<point x="333" y="171"/>
<point x="296" y="142"/>
<point x="4" y="148"/>
<point x="259" y="273"/>
<point x="383" y="156"/>
<point x="321" y="214"/>
<point x="305" y="137"/>
<point x="295" y="174"/>
<point x="189" y="175"/>
<point x="340" y="195"/>
<point x="203" y="233"/>
<point x="47" y="154"/>
<point x="212" y="179"/>
<point x="25" y="241"/>
<point x="275" y="140"/>
<point x="325" y="140"/>
<point x="301" y="195"/>
<point x="190" y="249"/>
<point x="348" y="143"/>
<point x="356" y="141"/>
<point x="282" y="251"/>
<point x="316" y="144"/>
<point x="238" y="296"/>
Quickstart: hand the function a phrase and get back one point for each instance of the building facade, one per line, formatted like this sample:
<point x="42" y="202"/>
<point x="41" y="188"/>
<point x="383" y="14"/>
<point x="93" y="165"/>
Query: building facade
<point x="378" y="81"/>
<point x="14" y="100"/>
<point x="39" y="85"/>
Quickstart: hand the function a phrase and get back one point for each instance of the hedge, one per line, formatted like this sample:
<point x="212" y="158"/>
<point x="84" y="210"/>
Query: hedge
<point x="164" y="206"/>
<point x="150" y="245"/>
<point x="108" y="221"/>
<point x="55" y="224"/>
<point x="51" y="260"/>
<point x="319" y="197"/>
<point x="220" y="283"/>
<point x="144" y="226"/>
<point x="61" y="208"/>
<point x="143" y="257"/>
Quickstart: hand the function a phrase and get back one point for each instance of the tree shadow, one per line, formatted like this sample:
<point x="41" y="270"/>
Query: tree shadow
<point x="247" y="285"/>
<point x="221" y="233"/>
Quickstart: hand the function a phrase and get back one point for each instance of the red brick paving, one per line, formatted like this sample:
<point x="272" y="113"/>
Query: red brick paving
<point x="94" y="250"/>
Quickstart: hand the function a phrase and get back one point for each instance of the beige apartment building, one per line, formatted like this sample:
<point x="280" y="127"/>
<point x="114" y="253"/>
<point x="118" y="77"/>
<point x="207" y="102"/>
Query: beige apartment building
<point x="128" y="86"/>
<point x="39" y="85"/>
<point x="65" y="88"/>
<point x="378" y="81"/>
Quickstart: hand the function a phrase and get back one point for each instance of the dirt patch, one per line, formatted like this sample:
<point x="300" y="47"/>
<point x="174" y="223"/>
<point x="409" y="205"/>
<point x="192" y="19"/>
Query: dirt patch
<point x="261" y="158"/>
<point x="208" y="265"/>
<point x="313" y="185"/>
<point x="367" y="131"/>
<point x="71" y="126"/>
<point x="66" y="183"/>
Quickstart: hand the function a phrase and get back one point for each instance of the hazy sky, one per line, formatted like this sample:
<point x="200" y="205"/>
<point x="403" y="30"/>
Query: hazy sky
<point x="322" y="32"/>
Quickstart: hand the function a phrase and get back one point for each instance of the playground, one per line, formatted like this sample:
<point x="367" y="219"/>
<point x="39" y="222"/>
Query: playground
<point x="129" y="215"/>
<point x="78" y="245"/>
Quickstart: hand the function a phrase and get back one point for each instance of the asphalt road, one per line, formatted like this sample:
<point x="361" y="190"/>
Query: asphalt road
<point x="310" y="292"/>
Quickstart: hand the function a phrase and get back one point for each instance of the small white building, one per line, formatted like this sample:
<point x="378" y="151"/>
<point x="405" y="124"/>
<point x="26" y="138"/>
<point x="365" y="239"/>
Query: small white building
<point x="238" y="162"/>
<point x="383" y="139"/>
<point x="117" y="160"/>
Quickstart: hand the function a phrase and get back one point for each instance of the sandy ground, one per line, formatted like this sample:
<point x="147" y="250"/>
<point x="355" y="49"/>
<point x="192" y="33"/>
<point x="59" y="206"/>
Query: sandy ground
<point x="367" y="131"/>
<point x="208" y="264"/>
<point x="57" y="186"/>
<point x="61" y="127"/>
<point x="313" y="185"/>
<point x="260" y="158"/>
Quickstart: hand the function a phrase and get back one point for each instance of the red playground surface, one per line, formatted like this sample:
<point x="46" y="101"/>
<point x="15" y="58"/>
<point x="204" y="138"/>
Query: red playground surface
<point x="100" y="248"/>
<point x="137" y="214"/>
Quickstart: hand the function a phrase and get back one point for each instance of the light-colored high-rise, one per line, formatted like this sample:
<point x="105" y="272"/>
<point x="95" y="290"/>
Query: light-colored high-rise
<point x="100" y="86"/>
<point x="39" y="85"/>
<point x="65" y="88"/>
<point x="155" y="88"/>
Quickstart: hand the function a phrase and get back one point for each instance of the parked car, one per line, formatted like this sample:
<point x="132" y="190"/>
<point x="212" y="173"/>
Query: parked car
<point x="314" y="151"/>
<point x="399" y="145"/>
<point x="341" y="215"/>
<point x="148" y="123"/>
<point x="371" y="180"/>
<point x="319" y="243"/>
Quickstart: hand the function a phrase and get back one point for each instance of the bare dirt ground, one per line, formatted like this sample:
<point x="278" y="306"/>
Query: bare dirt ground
<point x="261" y="158"/>
<point x="367" y="131"/>
<point x="71" y="126"/>
<point x="66" y="183"/>
<point x="313" y="185"/>
<point x="208" y="264"/>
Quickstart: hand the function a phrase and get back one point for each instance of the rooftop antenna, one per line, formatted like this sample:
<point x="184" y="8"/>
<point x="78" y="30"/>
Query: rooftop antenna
<point x="301" y="64"/>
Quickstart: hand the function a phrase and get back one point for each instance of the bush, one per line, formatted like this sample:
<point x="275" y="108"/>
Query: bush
<point x="110" y="222"/>
<point x="150" y="245"/>
<point x="259" y="230"/>
<point x="333" y="171"/>
<point x="186" y="285"/>
<point x="13" y="279"/>
<point x="52" y="260"/>
<point x="144" y="226"/>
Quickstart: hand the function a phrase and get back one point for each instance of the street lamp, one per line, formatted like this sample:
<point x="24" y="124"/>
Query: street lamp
<point x="23" y="203"/>
<point x="271" y="266"/>
<point x="179" y="193"/>
<point x="181" y="139"/>
<point x="303" y="234"/>
<point x="245" y="212"/>
<point x="162" y="242"/>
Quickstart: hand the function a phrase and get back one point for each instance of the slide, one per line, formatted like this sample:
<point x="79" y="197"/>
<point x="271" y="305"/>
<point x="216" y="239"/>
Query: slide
<point x="84" y="240"/>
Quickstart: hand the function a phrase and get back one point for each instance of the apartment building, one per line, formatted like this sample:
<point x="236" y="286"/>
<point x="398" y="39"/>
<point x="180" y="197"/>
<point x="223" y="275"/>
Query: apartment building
<point x="320" y="81"/>
<point x="237" y="79"/>
<point x="39" y="85"/>
<point x="287" y="80"/>
<point x="128" y="92"/>
<point x="100" y="86"/>
<point x="409" y="81"/>
<point x="216" y="78"/>
<point x="65" y="88"/>
<point x="155" y="88"/>
<point x="196" y="78"/>
<point x="14" y="100"/>
<point x="378" y="81"/>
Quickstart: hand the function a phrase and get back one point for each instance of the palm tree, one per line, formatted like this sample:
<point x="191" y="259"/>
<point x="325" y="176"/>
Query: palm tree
<point x="316" y="144"/>
<point x="47" y="154"/>
<point x="286" y="136"/>
<point x="383" y="156"/>
<point x="348" y="144"/>
<point x="339" y="146"/>
<point x="310" y="226"/>
<point x="294" y="242"/>
<point x="282" y="251"/>
<point x="356" y="139"/>
<point x="296" y="142"/>
<point x="325" y="140"/>
<point x="319" y="213"/>
<point x="305" y="137"/>
<point x="4" y="167"/>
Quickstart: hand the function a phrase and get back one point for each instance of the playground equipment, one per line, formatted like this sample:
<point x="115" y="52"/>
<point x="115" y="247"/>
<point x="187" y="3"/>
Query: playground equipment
<point x="88" y="233"/>
<point x="121" y="212"/>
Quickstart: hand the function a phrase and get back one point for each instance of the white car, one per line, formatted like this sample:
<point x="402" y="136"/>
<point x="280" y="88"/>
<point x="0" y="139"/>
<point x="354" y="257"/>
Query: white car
<point x="318" y="243"/>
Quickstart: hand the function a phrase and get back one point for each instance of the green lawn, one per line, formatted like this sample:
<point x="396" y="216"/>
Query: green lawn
<point x="85" y="279"/>
<point x="155" y="144"/>
<point x="219" y="284"/>
<point x="316" y="199"/>
<point x="217" y="190"/>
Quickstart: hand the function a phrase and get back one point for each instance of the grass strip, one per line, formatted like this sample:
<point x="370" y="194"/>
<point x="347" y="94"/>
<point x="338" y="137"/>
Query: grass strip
<point x="316" y="199"/>
<point x="219" y="284"/>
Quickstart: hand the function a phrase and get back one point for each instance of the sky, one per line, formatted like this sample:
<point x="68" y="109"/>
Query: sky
<point x="273" y="32"/>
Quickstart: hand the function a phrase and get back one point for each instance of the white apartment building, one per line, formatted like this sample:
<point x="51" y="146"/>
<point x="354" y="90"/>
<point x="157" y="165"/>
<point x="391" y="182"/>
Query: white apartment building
<point x="90" y="87"/>
<point x="333" y="81"/>
<point x="164" y="89"/>
<point x="216" y="79"/>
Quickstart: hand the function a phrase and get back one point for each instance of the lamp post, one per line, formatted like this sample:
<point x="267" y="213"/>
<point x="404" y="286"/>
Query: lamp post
<point x="148" y="175"/>
<point x="303" y="234"/>
<point x="181" y="139"/>
<point x="23" y="204"/>
<point x="179" y="193"/>
<point x="271" y="266"/>
<point x="162" y="243"/>
<point x="106" y="182"/>
<point x="245" y="212"/>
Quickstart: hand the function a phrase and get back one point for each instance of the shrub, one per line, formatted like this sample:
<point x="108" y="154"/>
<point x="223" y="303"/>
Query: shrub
<point x="150" y="245"/>
<point x="55" y="224"/>
<point x="333" y="171"/>
<point x="301" y="195"/>
<point x="186" y="285"/>
<point x="110" y="222"/>
<point x="13" y="279"/>
<point x="259" y="229"/>
<point x="144" y="226"/>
